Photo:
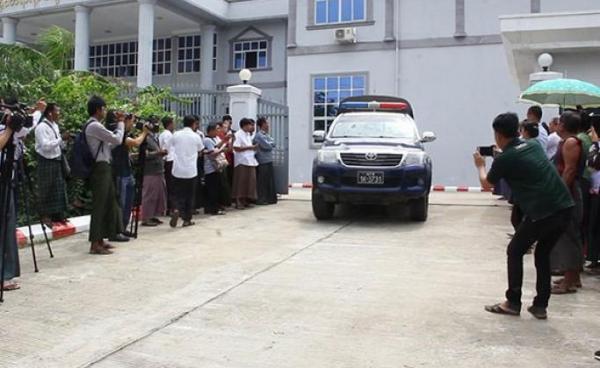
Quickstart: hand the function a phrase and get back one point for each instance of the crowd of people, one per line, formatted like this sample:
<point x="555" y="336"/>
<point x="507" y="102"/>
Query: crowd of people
<point x="550" y="173"/>
<point x="142" y="171"/>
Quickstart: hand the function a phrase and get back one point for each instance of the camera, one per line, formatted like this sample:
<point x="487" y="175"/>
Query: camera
<point x="20" y="118"/>
<point x="152" y="125"/>
<point x="486" y="151"/>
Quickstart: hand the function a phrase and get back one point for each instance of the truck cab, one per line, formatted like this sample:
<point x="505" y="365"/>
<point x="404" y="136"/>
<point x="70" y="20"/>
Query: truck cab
<point x="373" y="153"/>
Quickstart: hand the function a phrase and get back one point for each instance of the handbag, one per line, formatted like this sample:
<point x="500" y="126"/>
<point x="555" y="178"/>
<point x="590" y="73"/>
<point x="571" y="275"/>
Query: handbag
<point x="220" y="162"/>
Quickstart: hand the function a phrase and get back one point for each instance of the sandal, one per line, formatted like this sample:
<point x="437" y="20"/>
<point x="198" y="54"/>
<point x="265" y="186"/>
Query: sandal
<point x="538" y="312"/>
<point x="562" y="289"/>
<point x="11" y="286"/>
<point x="100" y="251"/>
<point x="188" y="223"/>
<point x="560" y="281"/>
<point x="498" y="309"/>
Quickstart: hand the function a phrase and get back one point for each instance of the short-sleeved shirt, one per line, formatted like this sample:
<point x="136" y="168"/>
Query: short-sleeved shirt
<point x="210" y="144"/>
<point x="186" y="144"/>
<point x="245" y="158"/>
<point x="535" y="183"/>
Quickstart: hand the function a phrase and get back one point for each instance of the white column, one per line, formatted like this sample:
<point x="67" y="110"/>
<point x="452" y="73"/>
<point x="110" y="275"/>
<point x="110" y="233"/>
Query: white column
<point x="9" y="30"/>
<point x="206" y="71"/>
<point x="82" y="38"/>
<point x="145" y="38"/>
<point x="243" y="102"/>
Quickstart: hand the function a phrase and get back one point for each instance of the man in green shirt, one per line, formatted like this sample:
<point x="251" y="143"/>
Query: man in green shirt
<point x="545" y="202"/>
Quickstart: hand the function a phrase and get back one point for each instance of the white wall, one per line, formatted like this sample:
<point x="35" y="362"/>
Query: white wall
<point x="456" y="92"/>
<point x="551" y="6"/>
<point x="379" y="65"/>
<point x="275" y="29"/>
<point x="426" y="19"/>
<point x="313" y="37"/>
<point x="481" y="16"/>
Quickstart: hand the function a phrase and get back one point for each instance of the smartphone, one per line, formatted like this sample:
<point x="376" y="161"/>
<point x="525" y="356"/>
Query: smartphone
<point x="486" y="151"/>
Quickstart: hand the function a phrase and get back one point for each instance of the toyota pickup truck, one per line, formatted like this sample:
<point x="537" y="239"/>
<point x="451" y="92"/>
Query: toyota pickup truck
<point x="373" y="153"/>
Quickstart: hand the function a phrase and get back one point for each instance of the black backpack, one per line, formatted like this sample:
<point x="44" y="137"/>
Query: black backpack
<point x="82" y="160"/>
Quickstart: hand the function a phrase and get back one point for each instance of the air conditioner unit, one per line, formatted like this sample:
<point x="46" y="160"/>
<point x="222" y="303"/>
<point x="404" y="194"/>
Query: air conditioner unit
<point x="345" y="35"/>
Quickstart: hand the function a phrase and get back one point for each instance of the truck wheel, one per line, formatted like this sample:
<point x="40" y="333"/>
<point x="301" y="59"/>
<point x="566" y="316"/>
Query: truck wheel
<point x="419" y="209"/>
<point x="321" y="209"/>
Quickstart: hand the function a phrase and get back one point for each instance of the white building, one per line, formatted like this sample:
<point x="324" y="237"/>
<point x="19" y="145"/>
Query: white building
<point x="459" y="62"/>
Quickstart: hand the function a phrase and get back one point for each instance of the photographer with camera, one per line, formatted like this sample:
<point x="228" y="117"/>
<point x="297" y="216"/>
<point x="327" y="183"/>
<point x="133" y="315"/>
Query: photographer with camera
<point x="10" y="267"/>
<point x="122" y="169"/>
<point x="106" y="220"/>
<point x="545" y="201"/>
<point x="51" y="175"/>
<point x="154" y="199"/>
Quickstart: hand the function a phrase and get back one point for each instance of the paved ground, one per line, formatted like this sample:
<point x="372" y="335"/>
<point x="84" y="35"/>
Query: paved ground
<point x="271" y="287"/>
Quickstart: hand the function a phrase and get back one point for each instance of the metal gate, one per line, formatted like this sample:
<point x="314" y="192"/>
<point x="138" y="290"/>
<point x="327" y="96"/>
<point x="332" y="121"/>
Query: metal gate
<point x="277" y="115"/>
<point x="210" y="106"/>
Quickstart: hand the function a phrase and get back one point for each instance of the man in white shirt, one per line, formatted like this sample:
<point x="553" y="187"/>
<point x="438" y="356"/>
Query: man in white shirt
<point x="534" y="115"/>
<point x="553" y="139"/>
<point x="106" y="219"/>
<point x="164" y="140"/>
<point x="244" y="176"/>
<point x="185" y="146"/>
<point x="52" y="194"/>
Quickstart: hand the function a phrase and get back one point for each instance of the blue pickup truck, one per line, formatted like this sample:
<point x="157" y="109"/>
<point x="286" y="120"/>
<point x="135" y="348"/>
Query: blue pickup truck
<point x="372" y="154"/>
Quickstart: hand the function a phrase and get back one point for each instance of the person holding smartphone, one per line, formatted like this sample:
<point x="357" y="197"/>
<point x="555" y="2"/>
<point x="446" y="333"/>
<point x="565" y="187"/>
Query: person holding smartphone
<point x="546" y="204"/>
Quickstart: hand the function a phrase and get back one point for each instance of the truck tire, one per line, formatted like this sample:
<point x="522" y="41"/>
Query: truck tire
<point x="419" y="209"/>
<point x="321" y="209"/>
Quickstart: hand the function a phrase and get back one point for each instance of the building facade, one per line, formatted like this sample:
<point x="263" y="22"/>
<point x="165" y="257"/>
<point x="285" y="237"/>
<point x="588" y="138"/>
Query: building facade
<point x="459" y="62"/>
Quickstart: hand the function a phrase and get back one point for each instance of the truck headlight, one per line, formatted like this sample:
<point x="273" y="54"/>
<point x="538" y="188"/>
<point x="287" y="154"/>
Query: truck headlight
<point x="414" y="158"/>
<point x="327" y="157"/>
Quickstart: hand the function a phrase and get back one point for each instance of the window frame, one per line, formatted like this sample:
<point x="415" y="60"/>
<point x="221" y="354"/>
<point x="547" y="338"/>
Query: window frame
<point x="313" y="104"/>
<point x="312" y="23"/>
<point x="165" y="63"/>
<point x="183" y="61"/>
<point x="260" y="37"/>
<point x="244" y="53"/>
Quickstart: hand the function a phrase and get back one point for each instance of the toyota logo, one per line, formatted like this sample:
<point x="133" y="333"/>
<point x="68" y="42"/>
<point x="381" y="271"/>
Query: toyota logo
<point x="371" y="156"/>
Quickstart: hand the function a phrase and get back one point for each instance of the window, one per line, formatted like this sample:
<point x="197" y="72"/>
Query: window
<point x="120" y="59"/>
<point x="188" y="57"/>
<point x="161" y="56"/>
<point x="328" y="91"/>
<point x="214" y="53"/>
<point x="250" y="54"/>
<point x="339" y="11"/>
<point x="114" y="59"/>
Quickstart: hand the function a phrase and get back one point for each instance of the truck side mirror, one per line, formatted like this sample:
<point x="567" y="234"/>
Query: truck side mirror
<point x="319" y="136"/>
<point x="428" y="137"/>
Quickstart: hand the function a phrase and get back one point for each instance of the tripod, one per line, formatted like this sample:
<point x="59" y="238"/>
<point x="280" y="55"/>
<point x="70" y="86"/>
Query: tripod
<point x="24" y="174"/>
<point x="139" y="187"/>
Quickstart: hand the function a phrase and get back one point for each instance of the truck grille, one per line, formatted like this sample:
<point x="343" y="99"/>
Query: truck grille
<point x="370" y="159"/>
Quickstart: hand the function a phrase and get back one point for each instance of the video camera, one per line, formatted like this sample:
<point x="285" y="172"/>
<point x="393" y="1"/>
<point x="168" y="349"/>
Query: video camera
<point x="19" y="118"/>
<point x="152" y="125"/>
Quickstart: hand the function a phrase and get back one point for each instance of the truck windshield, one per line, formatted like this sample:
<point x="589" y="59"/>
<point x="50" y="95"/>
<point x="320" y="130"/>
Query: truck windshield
<point x="396" y="126"/>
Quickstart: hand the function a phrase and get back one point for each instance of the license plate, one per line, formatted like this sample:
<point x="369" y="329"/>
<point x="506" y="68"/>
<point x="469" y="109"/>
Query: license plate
<point x="370" y="178"/>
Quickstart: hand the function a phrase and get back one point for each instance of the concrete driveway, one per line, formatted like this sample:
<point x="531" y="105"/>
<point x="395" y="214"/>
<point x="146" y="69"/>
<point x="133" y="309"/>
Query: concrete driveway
<point x="271" y="287"/>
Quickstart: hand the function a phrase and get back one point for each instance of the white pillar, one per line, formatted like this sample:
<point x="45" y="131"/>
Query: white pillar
<point x="243" y="102"/>
<point x="145" y="38"/>
<point x="9" y="30"/>
<point x="82" y="38"/>
<point x="206" y="71"/>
